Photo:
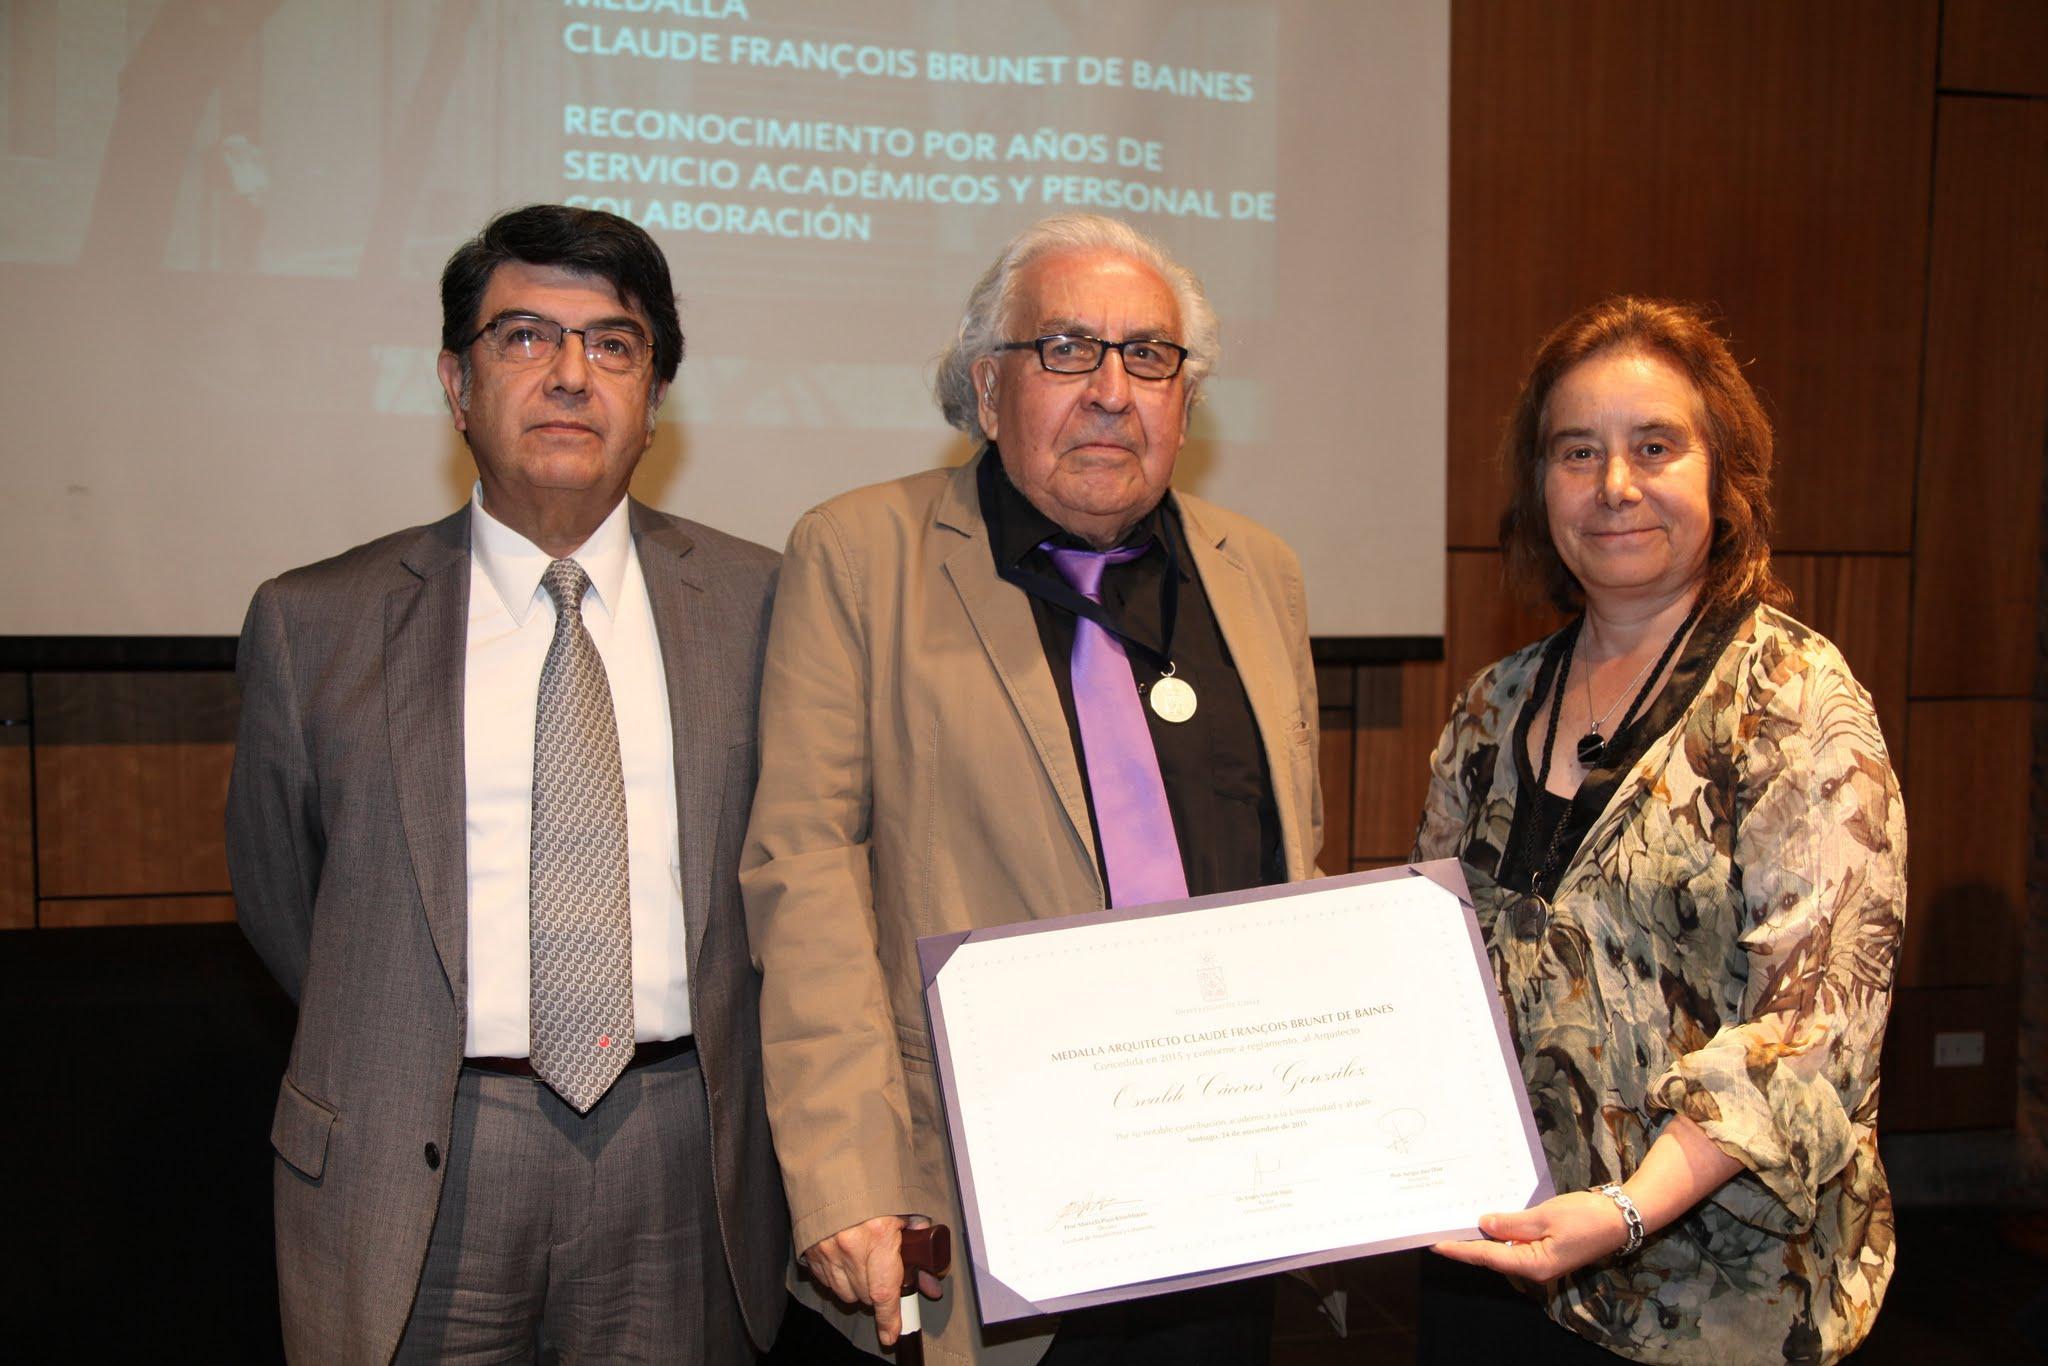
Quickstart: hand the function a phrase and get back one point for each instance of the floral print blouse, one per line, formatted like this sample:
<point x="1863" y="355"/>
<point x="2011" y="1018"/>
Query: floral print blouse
<point x="1721" y="946"/>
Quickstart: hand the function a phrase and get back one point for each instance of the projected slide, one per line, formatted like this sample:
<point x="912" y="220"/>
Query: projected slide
<point x="223" y="222"/>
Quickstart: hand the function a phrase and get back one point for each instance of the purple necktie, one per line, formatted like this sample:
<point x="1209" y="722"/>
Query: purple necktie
<point x="1131" y="816"/>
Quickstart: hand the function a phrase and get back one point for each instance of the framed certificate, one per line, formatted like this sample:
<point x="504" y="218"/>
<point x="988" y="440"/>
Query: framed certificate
<point x="1152" y="1099"/>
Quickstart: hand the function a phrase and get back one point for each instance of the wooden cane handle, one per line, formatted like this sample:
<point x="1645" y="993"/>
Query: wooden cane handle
<point x="925" y="1249"/>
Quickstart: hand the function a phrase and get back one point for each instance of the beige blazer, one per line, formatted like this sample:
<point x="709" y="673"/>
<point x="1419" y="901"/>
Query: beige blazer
<point x="917" y="777"/>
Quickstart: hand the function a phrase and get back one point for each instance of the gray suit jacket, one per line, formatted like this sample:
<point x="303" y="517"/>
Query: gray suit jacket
<point x="345" y="841"/>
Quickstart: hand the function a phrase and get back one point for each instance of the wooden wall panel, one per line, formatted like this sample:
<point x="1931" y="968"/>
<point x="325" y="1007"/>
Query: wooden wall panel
<point x="1860" y="602"/>
<point x="1483" y="619"/>
<point x="131" y="782"/>
<point x="95" y="913"/>
<point x="1985" y="426"/>
<point x="1919" y="1095"/>
<point x="1334" y="687"/>
<point x="1399" y="712"/>
<point x="1967" y="819"/>
<point x="17" y="846"/>
<point x="1995" y="45"/>
<point x="1769" y="159"/>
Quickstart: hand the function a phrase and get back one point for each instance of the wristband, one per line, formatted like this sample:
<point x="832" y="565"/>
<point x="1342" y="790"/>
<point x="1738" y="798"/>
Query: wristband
<point x="1630" y="1215"/>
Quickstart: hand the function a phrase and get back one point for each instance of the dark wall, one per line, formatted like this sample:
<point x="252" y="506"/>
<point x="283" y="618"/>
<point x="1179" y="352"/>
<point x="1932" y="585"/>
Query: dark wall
<point x="143" y="1065"/>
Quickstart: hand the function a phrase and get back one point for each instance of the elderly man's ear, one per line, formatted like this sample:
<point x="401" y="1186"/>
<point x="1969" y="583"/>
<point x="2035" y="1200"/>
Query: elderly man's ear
<point x="985" y="372"/>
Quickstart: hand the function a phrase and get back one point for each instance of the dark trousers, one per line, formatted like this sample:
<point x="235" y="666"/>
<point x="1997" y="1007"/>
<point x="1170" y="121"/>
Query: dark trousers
<point x="1467" y="1314"/>
<point x="1228" y="1325"/>
<point x="1224" y="1325"/>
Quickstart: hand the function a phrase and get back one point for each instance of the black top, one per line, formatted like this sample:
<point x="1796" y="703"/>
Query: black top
<point x="1218" y="789"/>
<point x="1538" y="812"/>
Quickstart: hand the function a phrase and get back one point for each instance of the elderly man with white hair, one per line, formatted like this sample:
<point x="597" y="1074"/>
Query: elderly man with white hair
<point x="1037" y="684"/>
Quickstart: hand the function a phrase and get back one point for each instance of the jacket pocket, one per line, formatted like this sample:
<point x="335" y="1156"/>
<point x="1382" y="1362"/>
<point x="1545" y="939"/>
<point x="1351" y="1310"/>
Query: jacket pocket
<point x="914" y="1048"/>
<point x="300" y="1129"/>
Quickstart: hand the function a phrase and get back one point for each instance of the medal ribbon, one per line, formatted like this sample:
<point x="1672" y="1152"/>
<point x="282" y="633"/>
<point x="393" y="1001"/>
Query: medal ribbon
<point x="1062" y="594"/>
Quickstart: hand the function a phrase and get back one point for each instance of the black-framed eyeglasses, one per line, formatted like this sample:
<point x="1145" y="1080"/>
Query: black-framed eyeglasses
<point x="526" y="339"/>
<point x="1071" y="353"/>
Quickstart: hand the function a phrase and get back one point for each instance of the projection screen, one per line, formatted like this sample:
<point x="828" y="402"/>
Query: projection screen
<point x="224" y="220"/>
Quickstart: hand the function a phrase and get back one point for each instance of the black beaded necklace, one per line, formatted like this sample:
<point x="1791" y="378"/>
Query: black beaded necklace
<point x="1592" y="749"/>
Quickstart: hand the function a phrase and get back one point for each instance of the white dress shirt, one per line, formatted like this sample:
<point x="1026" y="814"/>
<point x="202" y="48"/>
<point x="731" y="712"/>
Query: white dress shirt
<point x="511" y="623"/>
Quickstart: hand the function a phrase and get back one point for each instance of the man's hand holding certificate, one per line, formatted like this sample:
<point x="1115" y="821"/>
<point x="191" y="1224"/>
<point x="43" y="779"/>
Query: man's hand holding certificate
<point x="1142" y="1102"/>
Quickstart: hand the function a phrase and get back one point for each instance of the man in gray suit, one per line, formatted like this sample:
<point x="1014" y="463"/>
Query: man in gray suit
<point x="487" y="806"/>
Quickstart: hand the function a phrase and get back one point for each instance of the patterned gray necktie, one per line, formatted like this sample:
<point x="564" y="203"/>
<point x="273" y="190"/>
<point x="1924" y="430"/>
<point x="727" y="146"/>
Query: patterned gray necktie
<point x="581" y="973"/>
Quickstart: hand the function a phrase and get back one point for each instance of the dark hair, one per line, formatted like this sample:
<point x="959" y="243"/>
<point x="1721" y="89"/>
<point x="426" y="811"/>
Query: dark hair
<point x="1739" y="447"/>
<point x="588" y="241"/>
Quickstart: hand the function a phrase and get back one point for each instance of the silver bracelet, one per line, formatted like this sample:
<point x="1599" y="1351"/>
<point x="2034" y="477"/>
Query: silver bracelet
<point x="1629" y="1213"/>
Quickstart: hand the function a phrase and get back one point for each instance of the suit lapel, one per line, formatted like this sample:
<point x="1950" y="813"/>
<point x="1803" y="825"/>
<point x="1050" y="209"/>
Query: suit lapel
<point x="1261" y="656"/>
<point x="1002" y="618"/>
<point x="684" y="625"/>
<point x="425" y="640"/>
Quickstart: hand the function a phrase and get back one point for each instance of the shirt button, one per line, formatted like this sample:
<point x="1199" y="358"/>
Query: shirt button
<point x="433" y="1157"/>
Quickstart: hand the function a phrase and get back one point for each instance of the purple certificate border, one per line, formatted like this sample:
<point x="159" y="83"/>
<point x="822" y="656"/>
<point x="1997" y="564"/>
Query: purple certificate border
<point x="1000" y="1303"/>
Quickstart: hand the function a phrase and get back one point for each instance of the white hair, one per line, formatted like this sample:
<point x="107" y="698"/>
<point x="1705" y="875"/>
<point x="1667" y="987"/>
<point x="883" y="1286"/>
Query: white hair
<point x="987" y="316"/>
